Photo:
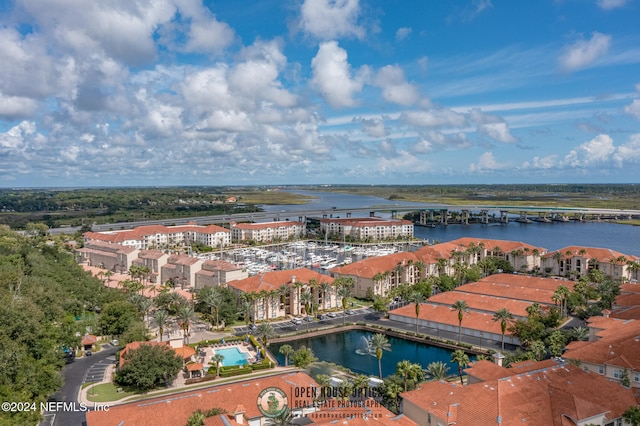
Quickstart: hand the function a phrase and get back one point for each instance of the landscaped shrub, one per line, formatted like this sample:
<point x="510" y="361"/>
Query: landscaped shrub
<point x="263" y="365"/>
<point x="236" y="372"/>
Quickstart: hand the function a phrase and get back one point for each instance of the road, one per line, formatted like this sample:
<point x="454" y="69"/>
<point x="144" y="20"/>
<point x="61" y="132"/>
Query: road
<point x="83" y="370"/>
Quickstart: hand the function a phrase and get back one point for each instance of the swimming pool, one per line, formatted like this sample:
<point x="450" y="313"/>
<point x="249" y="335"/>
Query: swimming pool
<point x="232" y="356"/>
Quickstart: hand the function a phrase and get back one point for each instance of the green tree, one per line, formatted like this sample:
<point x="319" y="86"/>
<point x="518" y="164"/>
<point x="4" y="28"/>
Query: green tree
<point x="462" y="359"/>
<point x="217" y="358"/>
<point x="360" y="384"/>
<point x="403" y="369"/>
<point x="345" y="293"/>
<point x="210" y="297"/>
<point x="303" y="357"/>
<point x="161" y="320"/>
<point x="537" y="350"/>
<point x="149" y="366"/>
<point x="186" y="315"/>
<point x="437" y="370"/>
<point x="265" y="331"/>
<point x="416" y="298"/>
<point x="556" y="342"/>
<point x="632" y="415"/>
<point x="286" y="350"/>
<point x="461" y="307"/>
<point x="116" y="317"/>
<point x="379" y="343"/>
<point x="504" y="316"/>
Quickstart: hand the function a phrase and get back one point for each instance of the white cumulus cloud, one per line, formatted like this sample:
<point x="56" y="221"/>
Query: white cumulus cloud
<point x="597" y="150"/>
<point x="403" y="33"/>
<point x="332" y="76"/>
<point x="486" y="162"/>
<point x="395" y="87"/>
<point x="584" y="52"/>
<point x="331" y="19"/>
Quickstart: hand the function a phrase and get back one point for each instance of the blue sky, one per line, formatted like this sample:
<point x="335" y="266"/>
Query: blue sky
<point x="185" y="92"/>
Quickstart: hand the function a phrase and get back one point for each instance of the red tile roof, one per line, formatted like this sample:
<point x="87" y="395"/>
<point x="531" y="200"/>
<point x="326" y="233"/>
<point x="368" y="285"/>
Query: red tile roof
<point x="445" y="315"/>
<point x="619" y="345"/>
<point x="369" y="267"/>
<point x="481" y="302"/>
<point x="175" y="409"/>
<point x="505" y="246"/>
<point x="603" y="255"/>
<point x="88" y="339"/>
<point x="272" y="280"/>
<point x="266" y="225"/>
<point x="539" y="397"/>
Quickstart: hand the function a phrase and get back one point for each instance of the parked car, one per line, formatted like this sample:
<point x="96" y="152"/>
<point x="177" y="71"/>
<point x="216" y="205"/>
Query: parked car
<point x="321" y="317"/>
<point x="349" y="312"/>
<point x="252" y="326"/>
<point x="296" y="321"/>
<point x="115" y="342"/>
<point x="331" y="314"/>
<point x="87" y="353"/>
<point x="308" y="319"/>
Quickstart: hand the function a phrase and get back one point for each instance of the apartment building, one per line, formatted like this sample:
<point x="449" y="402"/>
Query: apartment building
<point x="154" y="260"/>
<point x="112" y="257"/>
<point x="279" y="293"/>
<point x="613" y="350"/>
<point x="372" y="228"/>
<point x="540" y="394"/>
<point x="160" y="236"/>
<point x="577" y="261"/>
<point x="268" y="231"/>
<point x="215" y="273"/>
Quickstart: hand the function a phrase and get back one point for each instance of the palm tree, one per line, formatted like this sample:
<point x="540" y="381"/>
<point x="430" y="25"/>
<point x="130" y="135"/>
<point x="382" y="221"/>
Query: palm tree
<point x="441" y="265"/>
<point x="379" y="343"/>
<point x="217" y="358"/>
<point x="325" y="288"/>
<point x="416" y="298"/>
<point x="504" y="316"/>
<point x="307" y="300"/>
<point x="265" y="331"/>
<point x="286" y="350"/>
<point x="213" y="300"/>
<point x="462" y="359"/>
<point x="345" y="293"/>
<point x="560" y="295"/>
<point x="438" y="370"/>
<point x="186" y="315"/>
<point x="246" y="308"/>
<point x="416" y="374"/>
<point x="360" y="384"/>
<point x="579" y="333"/>
<point x="537" y="350"/>
<point x="462" y="307"/>
<point x="403" y="369"/>
<point x="161" y="319"/>
<point x="393" y="391"/>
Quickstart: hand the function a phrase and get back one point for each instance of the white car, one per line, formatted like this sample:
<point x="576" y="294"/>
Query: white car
<point x="331" y="314"/>
<point x="296" y="321"/>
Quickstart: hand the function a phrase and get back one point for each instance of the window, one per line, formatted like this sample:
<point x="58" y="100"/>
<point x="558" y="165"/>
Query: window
<point x="601" y="369"/>
<point x="617" y="374"/>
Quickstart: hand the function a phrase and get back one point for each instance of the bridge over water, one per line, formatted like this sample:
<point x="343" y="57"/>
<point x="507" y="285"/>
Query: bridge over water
<point x="429" y="214"/>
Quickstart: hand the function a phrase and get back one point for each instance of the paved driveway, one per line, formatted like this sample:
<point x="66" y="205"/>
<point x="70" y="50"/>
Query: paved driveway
<point x="75" y="374"/>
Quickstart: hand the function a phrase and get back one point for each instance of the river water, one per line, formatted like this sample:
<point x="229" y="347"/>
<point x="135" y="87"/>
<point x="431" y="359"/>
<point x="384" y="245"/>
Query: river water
<point x="552" y="236"/>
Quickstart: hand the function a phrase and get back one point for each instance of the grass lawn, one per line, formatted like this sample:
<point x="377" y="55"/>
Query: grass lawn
<point x="106" y="392"/>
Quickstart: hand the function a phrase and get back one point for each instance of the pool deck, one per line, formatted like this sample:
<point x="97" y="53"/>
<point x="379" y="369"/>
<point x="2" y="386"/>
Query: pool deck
<point x="242" y="347"/>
